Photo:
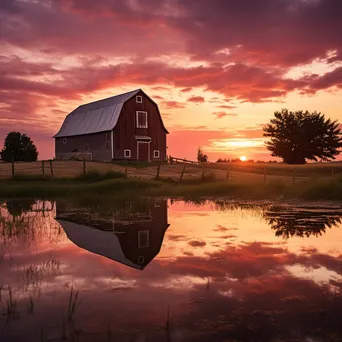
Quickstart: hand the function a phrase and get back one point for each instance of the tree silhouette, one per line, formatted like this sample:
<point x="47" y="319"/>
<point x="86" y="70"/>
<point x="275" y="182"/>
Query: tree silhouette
<point x="18" y="147"/>
<point x="17" y="207"/>
<point x="300" y="222"/>
<point x="298" y="136"/>
<point x="201" y="157"/>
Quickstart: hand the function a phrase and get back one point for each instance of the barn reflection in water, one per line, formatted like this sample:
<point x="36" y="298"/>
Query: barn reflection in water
<point x="131" y="233"/>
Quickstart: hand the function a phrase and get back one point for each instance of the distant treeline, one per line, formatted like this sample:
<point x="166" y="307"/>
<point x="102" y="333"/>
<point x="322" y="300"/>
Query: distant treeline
<point x="237" y="160"/>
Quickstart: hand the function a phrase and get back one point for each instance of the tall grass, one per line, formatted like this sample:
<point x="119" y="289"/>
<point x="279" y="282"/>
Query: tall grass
<point x="96" y="176"/>
<point x="73" y="303"/>
<point x="168" y="319"/>
<point x="315" y="189"/>
<point x="11" y="307"/>
<point x="30" y="308"/>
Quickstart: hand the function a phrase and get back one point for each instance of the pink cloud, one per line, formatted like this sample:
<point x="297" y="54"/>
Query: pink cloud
<point x="226" y="107"/>
<point x="196" y="99"/>
<point x="173" y="104"/>
<point x="186" y="90"/>
<point x="220" y="115"/>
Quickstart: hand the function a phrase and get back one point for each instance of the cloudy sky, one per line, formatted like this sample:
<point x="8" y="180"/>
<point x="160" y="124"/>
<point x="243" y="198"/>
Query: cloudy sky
<point x="218" y="69"/>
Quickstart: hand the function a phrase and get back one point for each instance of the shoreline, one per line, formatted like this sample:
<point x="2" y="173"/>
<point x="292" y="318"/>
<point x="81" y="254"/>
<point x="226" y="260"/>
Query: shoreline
<point x="325" y="190"/>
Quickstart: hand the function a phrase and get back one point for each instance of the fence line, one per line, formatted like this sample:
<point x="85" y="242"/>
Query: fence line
<point x="177" y="171"/>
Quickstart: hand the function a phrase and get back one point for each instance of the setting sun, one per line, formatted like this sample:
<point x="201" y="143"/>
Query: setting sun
<point x="243" y="158"/>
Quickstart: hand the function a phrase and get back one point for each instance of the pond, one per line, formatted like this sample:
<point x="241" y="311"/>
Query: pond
<point x="166" y="270"/>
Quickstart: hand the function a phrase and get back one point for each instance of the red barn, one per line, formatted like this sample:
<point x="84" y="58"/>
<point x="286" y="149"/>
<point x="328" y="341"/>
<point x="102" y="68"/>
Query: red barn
<point x="123" y="127"/>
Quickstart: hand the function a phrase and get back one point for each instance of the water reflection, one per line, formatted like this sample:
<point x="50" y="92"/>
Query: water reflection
<point x="219" y="272"/>
<point x="289" y="221"/>
<point x="131" y="234"/>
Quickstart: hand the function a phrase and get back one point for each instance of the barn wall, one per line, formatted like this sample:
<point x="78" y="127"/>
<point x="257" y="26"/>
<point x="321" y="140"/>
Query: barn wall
<point x="126" y="130"/>
<point x="156" y="227"/>
<point x="76" y="146"/>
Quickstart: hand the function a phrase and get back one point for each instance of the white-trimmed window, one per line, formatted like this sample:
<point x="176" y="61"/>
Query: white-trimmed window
<point x="127" y="153"/>
<point x="141" y="119"/>
<point x="65" y="141"/>
<point x="143" y="238"/>
<point x="138" y="99"/>
<point x="156" y="154"/>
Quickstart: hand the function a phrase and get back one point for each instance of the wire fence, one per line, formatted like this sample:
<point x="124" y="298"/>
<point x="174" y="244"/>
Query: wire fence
<point x="171" y="171"/>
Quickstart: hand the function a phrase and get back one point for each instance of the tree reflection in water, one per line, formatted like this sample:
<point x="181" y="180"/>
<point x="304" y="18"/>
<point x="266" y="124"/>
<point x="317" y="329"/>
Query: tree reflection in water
<point x="289" y="221"/>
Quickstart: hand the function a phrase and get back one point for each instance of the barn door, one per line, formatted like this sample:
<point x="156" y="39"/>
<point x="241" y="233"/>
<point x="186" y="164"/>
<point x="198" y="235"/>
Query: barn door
<point x="143" y="151"/>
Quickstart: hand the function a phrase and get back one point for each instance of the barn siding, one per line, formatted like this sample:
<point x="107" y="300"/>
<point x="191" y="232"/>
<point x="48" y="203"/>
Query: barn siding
<point x="77" y="144"/>
<point x="126" y="130"/>
<point x="156" y="228"/>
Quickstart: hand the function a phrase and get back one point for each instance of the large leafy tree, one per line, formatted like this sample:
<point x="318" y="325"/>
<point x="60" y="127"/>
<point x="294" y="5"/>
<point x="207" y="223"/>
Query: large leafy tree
<point x="300" y="136"/>
<point x="18" y="147"/>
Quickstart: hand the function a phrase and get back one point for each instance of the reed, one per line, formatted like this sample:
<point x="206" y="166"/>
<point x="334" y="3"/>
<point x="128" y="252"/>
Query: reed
<point x="30" y="309"/>
<point x="73" y="304"/>
<point x="11" y="306"/>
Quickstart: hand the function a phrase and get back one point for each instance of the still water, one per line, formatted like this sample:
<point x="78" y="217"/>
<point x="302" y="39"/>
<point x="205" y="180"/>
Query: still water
<point x="162" y="270"/>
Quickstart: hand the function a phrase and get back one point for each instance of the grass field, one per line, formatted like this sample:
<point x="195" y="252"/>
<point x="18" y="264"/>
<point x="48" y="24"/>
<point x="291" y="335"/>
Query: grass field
<point x="253" y="172"/>
<point x="242" y="180"/>
<point x="100" y="190"/>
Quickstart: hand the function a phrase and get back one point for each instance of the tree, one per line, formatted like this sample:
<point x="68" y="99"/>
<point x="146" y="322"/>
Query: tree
<point x="300" y="136"/>
<point x="201" y="157"/>
<point x="18" y="147"/>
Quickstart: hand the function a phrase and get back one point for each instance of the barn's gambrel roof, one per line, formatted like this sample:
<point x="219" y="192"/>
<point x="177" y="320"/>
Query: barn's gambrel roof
<point x="98" y="116"/>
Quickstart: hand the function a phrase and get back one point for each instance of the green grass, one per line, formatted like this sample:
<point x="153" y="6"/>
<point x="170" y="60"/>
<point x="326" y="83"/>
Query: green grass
<point x="96" y="176"/>
<point x="329" y="189"/>
<point x="279" y="169"/>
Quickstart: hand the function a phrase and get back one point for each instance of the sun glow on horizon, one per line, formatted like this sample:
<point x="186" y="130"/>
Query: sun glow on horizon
<point x="243" y="158"/>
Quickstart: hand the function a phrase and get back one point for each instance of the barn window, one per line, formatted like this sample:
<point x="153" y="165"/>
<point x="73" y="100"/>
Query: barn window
<point x="138" y="99"/>
<point x="141" y="119"/>
<point x="127" y="153"/>
<point x="143" y="238"/>
<point x="65" y="141"/>
<point x="141" y="259"/>
<point x="156" y="154"/>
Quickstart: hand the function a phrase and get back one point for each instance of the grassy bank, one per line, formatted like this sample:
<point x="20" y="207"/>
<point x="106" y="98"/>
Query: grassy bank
<point x="116" y="185"/>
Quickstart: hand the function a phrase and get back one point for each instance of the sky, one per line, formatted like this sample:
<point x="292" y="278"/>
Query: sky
<point x="218" y="69"/>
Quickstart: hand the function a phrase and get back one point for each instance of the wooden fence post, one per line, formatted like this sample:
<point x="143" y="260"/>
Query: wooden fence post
<point x="51" y="168"/>
<point x="43" y="168"/>
<point x="203" y="172"/>
<point x="182" y="174"/>
<point x="84" y="167"/>
<point x="158" y="171"/>
<point x="265" y="174"/>
<point x="12" y="167"/>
